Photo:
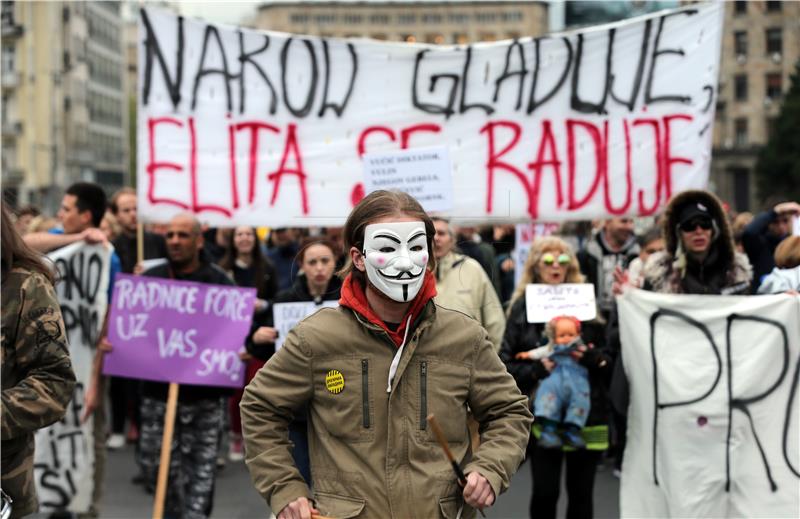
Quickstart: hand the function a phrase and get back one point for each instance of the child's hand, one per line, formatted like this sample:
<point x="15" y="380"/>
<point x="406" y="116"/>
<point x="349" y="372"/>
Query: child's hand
<point x="523" y="355"/>
<point x="548" y="364"/>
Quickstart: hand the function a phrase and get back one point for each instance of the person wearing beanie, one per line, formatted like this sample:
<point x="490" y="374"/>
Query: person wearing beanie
<point x="700" y="257"/>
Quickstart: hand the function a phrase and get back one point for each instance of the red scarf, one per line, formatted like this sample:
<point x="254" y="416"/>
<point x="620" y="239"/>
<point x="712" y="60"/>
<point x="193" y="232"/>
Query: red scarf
<point x="354" y="297"/>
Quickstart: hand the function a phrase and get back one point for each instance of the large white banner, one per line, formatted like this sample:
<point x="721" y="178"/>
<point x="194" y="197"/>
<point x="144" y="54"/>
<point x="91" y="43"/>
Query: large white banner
<point x="713" y="416"/>
<point x="260" y="128"/>
<point x="64" y="458"/>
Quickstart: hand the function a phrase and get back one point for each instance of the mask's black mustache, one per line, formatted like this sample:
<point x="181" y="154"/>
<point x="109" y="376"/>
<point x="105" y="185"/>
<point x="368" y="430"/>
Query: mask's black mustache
<point x="401" y="276"/>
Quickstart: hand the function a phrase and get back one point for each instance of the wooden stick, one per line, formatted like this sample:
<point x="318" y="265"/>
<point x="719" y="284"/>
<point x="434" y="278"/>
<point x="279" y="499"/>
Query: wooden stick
<point x="437" y="431"/>
<point x="139" y="242"/>
<point x="166" y="451"/>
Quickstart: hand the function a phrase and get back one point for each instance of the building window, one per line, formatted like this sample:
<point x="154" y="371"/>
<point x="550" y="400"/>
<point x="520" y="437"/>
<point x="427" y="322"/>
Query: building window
<point x="774" y="41"/>
<point x="458" y="18"/>
<point x="774" y="85"/>
<point x="485" y="17"/>
<point x="740" y="132"/>
<point x="740" y="87"/>
<point x="8" y="59"/>
<point x="379" y="19"/>
<point x="432" y="18"/>
<point x="773" y="6"/>
<point x="512" y="16"/>
<point x="323" y="19"/>
<point x="299" y="18"/>
<point x="740" y="6"/>
<point x="407" y="18"/>
<point x="353" y="19"/>
<point x="740" y="43"/>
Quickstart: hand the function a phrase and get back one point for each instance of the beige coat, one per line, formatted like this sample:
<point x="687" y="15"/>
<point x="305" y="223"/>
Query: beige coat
<point x="462" y="285"/>
<point x="372" y="452"/>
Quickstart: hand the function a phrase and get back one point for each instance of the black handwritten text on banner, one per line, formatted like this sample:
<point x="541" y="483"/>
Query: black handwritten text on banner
<point x="241" y="126"/>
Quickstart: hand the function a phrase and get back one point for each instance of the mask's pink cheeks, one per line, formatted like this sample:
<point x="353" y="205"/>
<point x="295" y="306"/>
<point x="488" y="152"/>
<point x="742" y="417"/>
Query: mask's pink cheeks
<point x="381" y="260"/>
<point x="424" y="258"/>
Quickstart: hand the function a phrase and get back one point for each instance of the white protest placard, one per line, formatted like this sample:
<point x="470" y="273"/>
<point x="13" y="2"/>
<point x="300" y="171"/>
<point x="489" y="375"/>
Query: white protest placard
<point x="796" y="225"/>
<point x="423" y="173"/>
<point x="543" y="302"/>
<point x="713" y="428"/>
<point x="64" y="456"/>
<point x="287" y="315"/>
<point x="242" y="127"/>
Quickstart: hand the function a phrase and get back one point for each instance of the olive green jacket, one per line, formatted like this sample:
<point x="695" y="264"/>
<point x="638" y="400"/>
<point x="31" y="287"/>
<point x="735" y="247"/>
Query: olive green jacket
<point x="372" y="452"/>
<point x="37" y="377"/>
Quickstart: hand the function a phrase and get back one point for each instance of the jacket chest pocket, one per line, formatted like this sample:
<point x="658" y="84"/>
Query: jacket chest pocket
<point x="442" y="391"/>
<point x="344" y="398"/>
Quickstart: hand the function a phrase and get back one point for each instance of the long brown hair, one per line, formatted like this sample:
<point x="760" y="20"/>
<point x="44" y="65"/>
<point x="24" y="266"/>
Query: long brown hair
<point x="16" y="254"/>
<point x="259" y="262"/>
<point x="376" y="205"/>
<point x="530" y="273"/>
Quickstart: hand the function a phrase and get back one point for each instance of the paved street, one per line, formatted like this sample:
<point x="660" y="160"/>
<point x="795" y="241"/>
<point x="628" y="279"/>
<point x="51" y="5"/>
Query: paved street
<point x="235" y="497"/>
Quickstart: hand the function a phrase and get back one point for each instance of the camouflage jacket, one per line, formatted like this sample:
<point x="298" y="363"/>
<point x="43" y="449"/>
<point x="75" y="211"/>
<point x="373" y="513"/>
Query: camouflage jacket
<point x="37" y="377"/>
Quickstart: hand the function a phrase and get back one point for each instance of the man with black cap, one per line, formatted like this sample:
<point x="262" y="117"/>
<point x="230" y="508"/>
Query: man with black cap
<point x="762" y="236"/>
<point x="700" y="257"/>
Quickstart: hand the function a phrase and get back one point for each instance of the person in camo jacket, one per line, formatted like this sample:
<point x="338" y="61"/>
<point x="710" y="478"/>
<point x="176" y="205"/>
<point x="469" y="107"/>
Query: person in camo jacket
<point x="37" y="375"/>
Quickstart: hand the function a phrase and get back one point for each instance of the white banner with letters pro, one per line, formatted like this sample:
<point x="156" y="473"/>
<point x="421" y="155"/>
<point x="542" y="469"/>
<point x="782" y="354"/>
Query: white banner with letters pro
<point x="259" y="128"/>
<point x="713" y="415"/>
<point x="64" y="457"/>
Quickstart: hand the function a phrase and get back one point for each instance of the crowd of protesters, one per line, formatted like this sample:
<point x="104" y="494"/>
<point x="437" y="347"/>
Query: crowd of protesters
<point x="696" y="246"/>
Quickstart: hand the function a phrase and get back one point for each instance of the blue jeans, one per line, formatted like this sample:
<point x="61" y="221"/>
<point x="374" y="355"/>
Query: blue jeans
<point x="564" y="395"/>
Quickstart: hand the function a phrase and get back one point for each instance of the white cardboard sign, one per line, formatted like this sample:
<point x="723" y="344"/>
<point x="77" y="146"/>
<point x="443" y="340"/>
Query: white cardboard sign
<point x="713" y="428"/>
<point x="287" y="315"/>
<point x="543" y="302"/>
<point x="243" y="127"/>
<point x="64" y="456"/>
<point x="423" y="173"/>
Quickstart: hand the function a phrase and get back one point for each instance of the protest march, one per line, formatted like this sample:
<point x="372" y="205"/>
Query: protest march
<point x="356" y="277"/>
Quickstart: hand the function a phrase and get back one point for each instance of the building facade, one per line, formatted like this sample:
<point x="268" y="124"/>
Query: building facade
<point x="63" y="102"/>
<point x="760" y="48"/>
<point x="410" y="21"/>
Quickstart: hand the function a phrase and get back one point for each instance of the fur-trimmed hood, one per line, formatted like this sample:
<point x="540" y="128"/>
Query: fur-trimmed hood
<point x="660" y="275"/>
<point x="723" y="243"/>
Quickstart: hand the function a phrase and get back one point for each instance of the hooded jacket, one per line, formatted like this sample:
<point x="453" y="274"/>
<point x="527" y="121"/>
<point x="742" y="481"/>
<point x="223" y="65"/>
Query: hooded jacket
<point x="724" y="271"/>
<point x="597" y="262"/>
<point x="463" y="285"/>
<point x="372" y="452"/>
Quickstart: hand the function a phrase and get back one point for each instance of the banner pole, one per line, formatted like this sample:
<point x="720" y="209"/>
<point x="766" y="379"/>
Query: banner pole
<point x="166" y="450"/>
<point x="139" y="242"/>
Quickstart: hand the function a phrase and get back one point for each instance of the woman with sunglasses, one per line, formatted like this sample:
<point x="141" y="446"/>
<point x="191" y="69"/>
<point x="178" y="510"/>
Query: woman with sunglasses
<point x="551" y="261"/>
<point x="700" y="256"/>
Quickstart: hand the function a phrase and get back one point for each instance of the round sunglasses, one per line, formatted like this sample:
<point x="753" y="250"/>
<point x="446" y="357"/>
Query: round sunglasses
<point x="549" y="259"/>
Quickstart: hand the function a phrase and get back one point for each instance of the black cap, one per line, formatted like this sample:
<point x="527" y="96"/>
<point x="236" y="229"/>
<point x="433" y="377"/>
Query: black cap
<point x="693" y="209"/>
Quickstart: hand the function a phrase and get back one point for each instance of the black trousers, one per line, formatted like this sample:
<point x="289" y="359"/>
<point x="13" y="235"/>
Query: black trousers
<point x="546" y="468"/>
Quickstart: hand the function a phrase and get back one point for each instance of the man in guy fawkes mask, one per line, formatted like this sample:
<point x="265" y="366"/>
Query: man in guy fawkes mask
<point x="369" y="373"/>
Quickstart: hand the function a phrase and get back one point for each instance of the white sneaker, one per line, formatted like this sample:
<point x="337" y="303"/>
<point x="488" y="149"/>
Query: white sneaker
<point x="115" y="441"/>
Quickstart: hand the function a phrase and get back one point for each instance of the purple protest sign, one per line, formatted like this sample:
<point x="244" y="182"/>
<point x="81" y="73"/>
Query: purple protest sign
<point x="178" y="331"/>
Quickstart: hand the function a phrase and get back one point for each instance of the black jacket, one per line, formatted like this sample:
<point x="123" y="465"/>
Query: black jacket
<point x="522" y="336"/>
<point x="298" y="292"/>
<point x="597" y="262"/>
<point x="760" y="245"/>
<point x="125" y="246"/>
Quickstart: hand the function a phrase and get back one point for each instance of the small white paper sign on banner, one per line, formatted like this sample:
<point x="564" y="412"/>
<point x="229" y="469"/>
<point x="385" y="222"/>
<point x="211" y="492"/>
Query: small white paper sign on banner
<point x="423" y="173"/>
<point x="543" y="302"/>
<point x="796" y="225"/>
<point x="287" y="315"/>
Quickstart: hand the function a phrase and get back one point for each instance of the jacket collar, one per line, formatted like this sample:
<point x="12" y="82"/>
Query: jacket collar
<point x="450" y="261"/>
<point x="354" y="298"/>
